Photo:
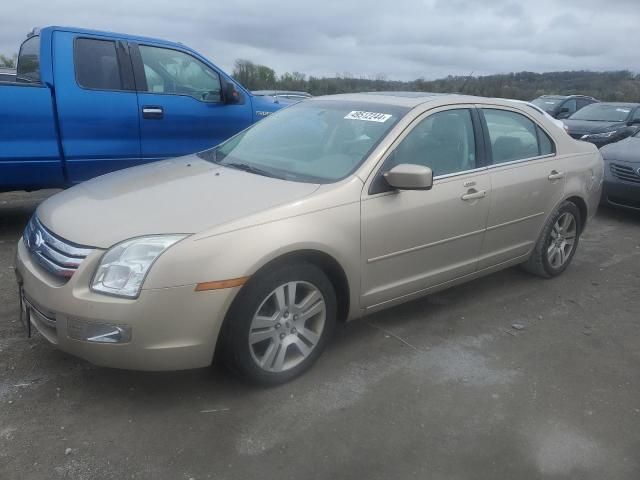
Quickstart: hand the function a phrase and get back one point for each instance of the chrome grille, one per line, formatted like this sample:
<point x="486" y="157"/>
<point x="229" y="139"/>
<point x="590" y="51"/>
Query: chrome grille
<point x="58" y="256"/>
<point x="623" y="172"/>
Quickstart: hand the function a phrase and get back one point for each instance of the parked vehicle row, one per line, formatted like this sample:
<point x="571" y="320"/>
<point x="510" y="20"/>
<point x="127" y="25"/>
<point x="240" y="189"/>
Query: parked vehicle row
<point x="86" y="103"/>
<point x="563" y="106"/>
<point x="605" y="123"/>
<point x="622" y="173"/>
<point x="328" y="210"/>
<point x="590" y="120"/>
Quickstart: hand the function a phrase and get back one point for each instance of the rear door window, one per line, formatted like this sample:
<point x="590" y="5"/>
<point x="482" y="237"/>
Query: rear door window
<point x="96" y="63"/>
<point x="28" y="69"/>
<point x="514" y="137"/>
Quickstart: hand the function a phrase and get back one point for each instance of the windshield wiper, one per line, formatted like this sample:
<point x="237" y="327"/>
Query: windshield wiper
<point x="245" y="167"/>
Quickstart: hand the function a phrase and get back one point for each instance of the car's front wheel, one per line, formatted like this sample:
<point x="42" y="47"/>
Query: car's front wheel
<point x="557" y="244"/>
<point x="280" y="323"/>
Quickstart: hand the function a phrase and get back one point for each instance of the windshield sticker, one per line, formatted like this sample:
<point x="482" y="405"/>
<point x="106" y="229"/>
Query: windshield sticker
<point x="623" y="110"/>
<point x="368" y="116"/>
<point x="550" y="103"/>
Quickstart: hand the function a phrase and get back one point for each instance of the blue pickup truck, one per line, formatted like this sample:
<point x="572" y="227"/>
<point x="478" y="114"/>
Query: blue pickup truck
<point x="84" y="103"/>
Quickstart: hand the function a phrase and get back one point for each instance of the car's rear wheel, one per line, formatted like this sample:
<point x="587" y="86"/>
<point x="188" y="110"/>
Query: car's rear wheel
<point x="557" y="244"/>
<point x="280" y="323"/>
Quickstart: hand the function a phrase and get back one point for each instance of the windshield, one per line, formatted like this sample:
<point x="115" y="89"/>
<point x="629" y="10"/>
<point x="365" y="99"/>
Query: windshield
<point x="547" y="103"/>
<point x="314" y="141"/>
<point x="601" y="112"/>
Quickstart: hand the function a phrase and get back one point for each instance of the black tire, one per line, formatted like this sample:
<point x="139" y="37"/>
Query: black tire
<point x="236" y="351"/>
<point x="538" y="263"/>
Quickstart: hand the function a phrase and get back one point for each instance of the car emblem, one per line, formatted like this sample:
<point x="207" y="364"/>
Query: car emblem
<point x="38" y="241"/>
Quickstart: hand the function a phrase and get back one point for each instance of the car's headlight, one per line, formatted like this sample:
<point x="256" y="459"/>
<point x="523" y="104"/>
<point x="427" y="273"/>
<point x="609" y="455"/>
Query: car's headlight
<point x="124" y="267"/>
<point x="604" y="135"/>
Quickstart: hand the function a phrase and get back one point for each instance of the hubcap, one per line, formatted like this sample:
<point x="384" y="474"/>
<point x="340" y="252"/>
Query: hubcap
<point x="563" y="240"/>
<point x="287" y="326"/>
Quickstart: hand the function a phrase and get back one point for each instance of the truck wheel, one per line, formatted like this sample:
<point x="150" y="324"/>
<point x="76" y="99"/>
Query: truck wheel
<point x="557" y="243"/>
<point x="280" y="323"/>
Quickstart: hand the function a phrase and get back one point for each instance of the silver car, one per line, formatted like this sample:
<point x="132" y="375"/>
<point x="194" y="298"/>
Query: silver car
<point x="326" y="211"/>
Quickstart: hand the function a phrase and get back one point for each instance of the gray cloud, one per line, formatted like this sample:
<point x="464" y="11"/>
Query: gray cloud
<point x="405" y="39"/>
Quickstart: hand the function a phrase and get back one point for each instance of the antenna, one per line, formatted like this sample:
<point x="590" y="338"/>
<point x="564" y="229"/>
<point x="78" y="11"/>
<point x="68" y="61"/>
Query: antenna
<point x="466" y="81"/>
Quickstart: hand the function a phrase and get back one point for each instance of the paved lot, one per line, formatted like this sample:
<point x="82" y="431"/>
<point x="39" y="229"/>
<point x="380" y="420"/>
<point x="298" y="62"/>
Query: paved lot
<point x="442" y="388"/>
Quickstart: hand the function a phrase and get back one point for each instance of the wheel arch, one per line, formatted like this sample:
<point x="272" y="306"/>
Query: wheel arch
<point x="582" y="208"/>
<point x="328" y="264"/>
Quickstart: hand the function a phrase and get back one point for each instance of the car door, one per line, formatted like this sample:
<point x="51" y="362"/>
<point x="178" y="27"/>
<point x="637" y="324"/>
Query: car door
<point x="414" y="240"/>
<point x="97" y="104"/>
<point x="180" y="103"/>
<point x="527" y="182"/>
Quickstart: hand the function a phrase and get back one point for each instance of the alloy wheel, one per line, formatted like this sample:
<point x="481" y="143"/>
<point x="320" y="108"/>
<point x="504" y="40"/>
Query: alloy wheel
<point x="287" y="326"/>
<point x="563" y="240"/>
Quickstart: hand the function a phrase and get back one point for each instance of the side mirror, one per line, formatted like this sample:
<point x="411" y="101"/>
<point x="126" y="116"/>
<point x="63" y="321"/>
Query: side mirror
<point x="634" y="121"/>
<point x="564" y="110"/>
<point x="407" y="176"/>
<point x="231" y="94"/>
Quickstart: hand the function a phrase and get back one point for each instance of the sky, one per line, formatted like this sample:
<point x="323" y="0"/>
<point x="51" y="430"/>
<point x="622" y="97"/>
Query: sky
<point x="398" y="40"/>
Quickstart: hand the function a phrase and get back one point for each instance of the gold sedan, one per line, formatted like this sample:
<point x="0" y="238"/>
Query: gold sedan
<point x="323" y="212"/>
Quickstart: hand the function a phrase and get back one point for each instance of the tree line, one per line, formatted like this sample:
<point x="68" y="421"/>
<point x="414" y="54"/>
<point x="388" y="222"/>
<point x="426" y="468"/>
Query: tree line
<point x="621" y="86"/>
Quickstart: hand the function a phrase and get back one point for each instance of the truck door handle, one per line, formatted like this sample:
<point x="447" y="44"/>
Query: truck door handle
<point x="474" y="194"/>
<point x="555" y="175"/>
<point x="152" y="112"/>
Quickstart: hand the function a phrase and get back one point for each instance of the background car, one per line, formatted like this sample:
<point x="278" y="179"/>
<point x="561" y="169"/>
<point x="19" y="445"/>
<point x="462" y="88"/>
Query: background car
<point x="7" y="74"/>
<point x="622" y="173"/>
<point x="604" y="123"/>
<point x="559" y="123"/>
<point x="287" y="95"/>
<point x="334" y="208"/>
<point x="563" y="106"/>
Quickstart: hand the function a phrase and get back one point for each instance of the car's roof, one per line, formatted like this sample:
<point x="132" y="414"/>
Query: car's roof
<point x="620" y="104"/>
<point x="566" y="96"/>
<point x="87" y="31"/>
<point x="413" y="99"/>
<point x="407" y="99"/>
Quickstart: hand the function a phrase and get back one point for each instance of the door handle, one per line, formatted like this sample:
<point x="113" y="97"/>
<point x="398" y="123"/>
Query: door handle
<point x="474" y="194"/>
<point x="555" y="175"/>
<point x="152" y="113"/>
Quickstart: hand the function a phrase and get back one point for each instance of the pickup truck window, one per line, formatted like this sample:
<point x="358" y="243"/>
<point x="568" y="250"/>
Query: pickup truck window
<point x="28" y="70"/>
<point x="96" y="63"/>
<point x="177" y="73"/>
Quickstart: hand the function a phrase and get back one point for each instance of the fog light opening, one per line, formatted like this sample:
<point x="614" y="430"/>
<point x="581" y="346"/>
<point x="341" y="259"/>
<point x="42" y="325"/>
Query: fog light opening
<point x="98" y="332"/>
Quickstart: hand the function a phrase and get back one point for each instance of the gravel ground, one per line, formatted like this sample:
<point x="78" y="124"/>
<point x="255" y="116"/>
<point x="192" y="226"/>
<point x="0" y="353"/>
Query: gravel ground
<point x="506" y="377"/>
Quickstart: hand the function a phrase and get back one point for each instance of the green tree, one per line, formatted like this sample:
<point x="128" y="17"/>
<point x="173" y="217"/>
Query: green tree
<point x="8" y="61"/>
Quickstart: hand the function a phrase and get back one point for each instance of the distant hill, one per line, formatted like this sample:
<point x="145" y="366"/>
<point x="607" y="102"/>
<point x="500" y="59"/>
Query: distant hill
<point x="608" y="86"/>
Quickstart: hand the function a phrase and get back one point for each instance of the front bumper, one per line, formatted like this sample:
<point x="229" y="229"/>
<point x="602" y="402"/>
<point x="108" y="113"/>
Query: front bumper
<point x="616" y="193"/>
<point x="171" y="328"/>
<point x="621" y="185"/>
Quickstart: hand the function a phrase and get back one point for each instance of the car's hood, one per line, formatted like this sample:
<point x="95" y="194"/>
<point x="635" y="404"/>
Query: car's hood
<point x="585" y="127"/>
<point x="182" y="195"/>
<point x="627" y="150"/>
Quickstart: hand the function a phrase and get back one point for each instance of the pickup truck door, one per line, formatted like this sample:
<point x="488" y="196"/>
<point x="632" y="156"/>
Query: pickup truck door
<point x="180" y="103"/>
<point x="97" y="104"/>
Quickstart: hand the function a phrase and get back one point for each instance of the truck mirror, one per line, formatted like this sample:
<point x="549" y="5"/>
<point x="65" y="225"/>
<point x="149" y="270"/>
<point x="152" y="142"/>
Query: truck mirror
<point x="231" y="94"/>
